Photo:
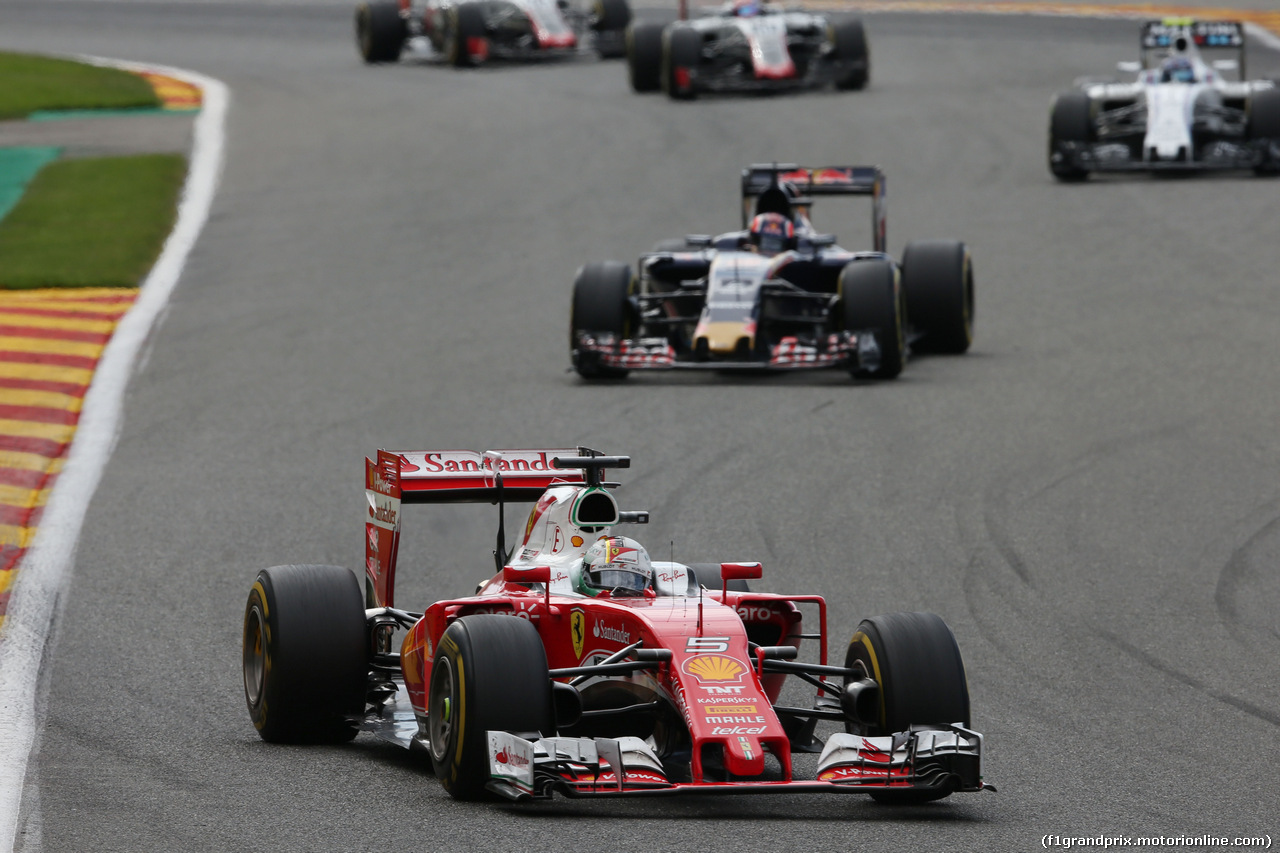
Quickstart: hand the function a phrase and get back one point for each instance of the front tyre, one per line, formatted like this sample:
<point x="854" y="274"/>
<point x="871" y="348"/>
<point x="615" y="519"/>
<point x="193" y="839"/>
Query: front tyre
<point x="489" y="674"/>
<point x="466" y="41"/>
<point x="1264" y="129"/>
<point x="681" y="52"/>
<point x="380" y="31"/>
<point x="849" y="49"/>
<point x="916" y="661"/>
<point x="937" y="277"/>
<point x="1070" y="127"/>
<point x="644" y="55"/>
<point x="600" y="307"/>
<point x="305" y="654"/>
<point x="871" y="303"/>
<point x="609" y="20"/>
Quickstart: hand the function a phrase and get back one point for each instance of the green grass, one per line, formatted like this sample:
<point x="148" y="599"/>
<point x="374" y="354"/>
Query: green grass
<point x="30" y="83"/>
<point x="91" y="223"/>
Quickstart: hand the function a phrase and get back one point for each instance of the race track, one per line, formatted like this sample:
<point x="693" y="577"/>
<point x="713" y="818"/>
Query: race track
<point x="1091" y="498"/>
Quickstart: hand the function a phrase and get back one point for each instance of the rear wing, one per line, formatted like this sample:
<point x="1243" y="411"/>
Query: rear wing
<point x="1213" y="39"/>
<point x="395" y="478"/>
<point x="803" y="183"/>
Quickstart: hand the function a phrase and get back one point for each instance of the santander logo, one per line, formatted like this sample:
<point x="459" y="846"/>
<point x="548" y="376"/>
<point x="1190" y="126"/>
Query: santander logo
<point x="514" y="759"/>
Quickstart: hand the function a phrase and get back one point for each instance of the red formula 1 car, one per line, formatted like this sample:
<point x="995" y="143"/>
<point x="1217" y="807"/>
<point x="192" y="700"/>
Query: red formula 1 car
<point x="583" y="667"/>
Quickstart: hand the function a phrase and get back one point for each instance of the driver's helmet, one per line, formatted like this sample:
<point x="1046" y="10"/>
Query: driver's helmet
<point x="1178" y="69"/>
<point x="772" y="233"/>
<point x="615" y="564"/>
<point x="746" y="8"/>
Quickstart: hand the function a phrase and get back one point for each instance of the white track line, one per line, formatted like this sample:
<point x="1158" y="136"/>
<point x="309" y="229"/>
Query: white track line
<point x="42" y="579"/>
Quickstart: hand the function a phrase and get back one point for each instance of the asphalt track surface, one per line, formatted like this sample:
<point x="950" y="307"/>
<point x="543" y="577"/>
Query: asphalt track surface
<point x="1090" y="498"/>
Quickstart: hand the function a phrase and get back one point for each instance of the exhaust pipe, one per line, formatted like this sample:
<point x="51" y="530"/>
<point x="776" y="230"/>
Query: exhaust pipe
<point x="860" y="701"/>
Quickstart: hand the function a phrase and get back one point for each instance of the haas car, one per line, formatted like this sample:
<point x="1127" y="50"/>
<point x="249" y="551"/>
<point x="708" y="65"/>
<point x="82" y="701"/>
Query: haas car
<point x="747" y="46"/>
<point x="1181" y="113"/>
<point x="585" y="668"/>
<point x="777" y="295"/>
<point x="468" y="32"/>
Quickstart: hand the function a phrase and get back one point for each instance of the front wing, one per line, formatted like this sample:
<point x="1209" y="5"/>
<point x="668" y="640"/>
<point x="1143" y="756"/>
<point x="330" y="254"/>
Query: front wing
<point x="1118" y="157"/>
<point x="846" y="350"/>
<point x="922" y="759"/>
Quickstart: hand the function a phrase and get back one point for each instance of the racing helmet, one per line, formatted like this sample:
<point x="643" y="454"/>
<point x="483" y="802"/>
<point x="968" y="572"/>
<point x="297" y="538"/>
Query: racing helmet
<point x="615" y="564"/>
<point x="772" y="233"/>
<point x="746" y="8"/>
<point x="1177" y="69"/>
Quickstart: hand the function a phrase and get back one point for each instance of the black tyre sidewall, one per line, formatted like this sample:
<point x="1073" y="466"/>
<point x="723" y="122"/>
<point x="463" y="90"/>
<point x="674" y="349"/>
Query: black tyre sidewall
<point x="502" y="684"/>
<point x="467" y="23"/>
<point x="315" y="650"/>
<point x="612" y="14"/>
<point x="871" y="298"/>
<point x="937" y="278"/>
<point x="849" y="38"/>
<point x="380" y="31"/>
<point x="1070" y="120"/>
<point x="680" y="49"/>
<point x="600" y="293"/>
<point x="644" y="56"/>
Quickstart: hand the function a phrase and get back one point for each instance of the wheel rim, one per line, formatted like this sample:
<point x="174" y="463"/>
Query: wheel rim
<point x="255" y="658"/>
<point x="442" y="704"/>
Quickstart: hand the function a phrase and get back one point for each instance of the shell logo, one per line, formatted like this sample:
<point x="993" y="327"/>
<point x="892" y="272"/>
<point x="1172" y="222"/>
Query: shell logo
<point x="714" y="668"/>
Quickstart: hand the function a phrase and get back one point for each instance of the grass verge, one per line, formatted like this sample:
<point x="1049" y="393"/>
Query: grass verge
<point x="30" y="83"/>
<point x="91" y="223"/>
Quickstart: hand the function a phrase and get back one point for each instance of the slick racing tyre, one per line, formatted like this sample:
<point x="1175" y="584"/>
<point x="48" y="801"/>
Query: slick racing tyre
<point x="937" y="278"/>
<point x="600" y="294"/>
<point x="305" y="654"/>
<point x="915" y="660"/>
<point x="1070" y="121"/>
<point x="849" y="43"/>
<point x="609" y="20"/>
<point x="681" y="50"/>
<point x="489" y="674"/>
<point x="466" y="44"/>
<point x="380" y="31"/>
<point x="871" y="301"/>
<point x="644" y="55"/>
<point x="1264" y="127"/>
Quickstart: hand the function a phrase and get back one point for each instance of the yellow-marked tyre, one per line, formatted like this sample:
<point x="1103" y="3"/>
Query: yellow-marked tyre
<point x="489" y="674"/>
<point x="305" y="655"/>
<point x="916" y="661"/>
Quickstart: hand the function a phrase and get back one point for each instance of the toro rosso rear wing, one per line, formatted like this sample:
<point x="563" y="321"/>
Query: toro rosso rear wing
<point x="459" y="476"/>
<point x="1171" y="36"/>
<point x="802" y="183"/>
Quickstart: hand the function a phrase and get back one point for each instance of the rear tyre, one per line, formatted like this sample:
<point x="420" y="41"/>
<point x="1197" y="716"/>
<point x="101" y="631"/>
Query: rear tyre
<point x="466" y="43"/>
<point x="611" y="20"/>
<point x="489" y="674"/>
<point x="1264" y="126"/>
<point x="849" y="40"/>
<point x="871" y="300"/>
<point x="305" y="655"/>
<point x="380" y="31"/>
<point x="681" y="50"/>
<point x="916" y="661"/>
<point x="644" y="55"/>
<point x="937" y="278"/>
<point x="600" y="294"/>
<point x="1070" y="121"/>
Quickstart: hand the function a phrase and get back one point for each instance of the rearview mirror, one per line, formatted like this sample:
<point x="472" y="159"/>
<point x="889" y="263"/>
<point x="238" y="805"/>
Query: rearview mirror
<point x="537" y="574"/>
<point x="741" y="571"/>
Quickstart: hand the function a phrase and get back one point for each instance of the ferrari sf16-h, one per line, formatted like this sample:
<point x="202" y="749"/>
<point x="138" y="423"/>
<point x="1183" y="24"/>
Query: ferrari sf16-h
<point x="1180" y="114"/>
<point x="777" y="295"/>
<point x="585" y="668"/>
<point x="747" y="46"/>
<point x="468" y="32"/>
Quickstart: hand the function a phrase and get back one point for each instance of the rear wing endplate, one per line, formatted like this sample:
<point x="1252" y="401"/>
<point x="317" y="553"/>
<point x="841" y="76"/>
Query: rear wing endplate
<point x="395" y="478"/>
<point x="811" y="181"/>
<point x="1168" y="36"/>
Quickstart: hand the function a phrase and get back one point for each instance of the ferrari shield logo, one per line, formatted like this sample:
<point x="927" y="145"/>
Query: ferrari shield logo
<point x="578" y="631"/>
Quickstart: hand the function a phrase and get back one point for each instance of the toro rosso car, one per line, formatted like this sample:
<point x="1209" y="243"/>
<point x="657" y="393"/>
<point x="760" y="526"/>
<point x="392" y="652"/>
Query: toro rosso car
<point x="777" y="295"/>
<point x="469" y="32"/>
<point x="747" y="46"/>
<point x="1180" y="113"/>
<point x="585" y="668"/>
